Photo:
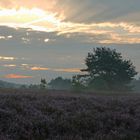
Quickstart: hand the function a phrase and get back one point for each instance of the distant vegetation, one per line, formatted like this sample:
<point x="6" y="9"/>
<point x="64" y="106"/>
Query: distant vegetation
<point x="60" y="84"/>
<point x="136" y="85"/>
<point x="4" y="84"/>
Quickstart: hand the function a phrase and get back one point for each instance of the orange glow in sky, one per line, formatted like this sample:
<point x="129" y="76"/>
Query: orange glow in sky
<point x="16" y="76"/>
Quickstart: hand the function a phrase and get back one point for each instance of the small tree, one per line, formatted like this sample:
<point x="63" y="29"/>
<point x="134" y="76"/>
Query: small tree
<point x="60" y="84"/>
<point x="77" y="83"/>
<point x="43" y="84"/>
<point x="107" y="70"/>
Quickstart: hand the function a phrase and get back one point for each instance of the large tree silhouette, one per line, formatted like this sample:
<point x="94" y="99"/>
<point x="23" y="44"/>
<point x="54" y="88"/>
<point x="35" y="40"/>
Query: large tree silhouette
<point x="106" y="69"/>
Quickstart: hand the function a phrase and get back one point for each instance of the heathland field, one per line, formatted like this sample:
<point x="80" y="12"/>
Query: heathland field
<point x="61" y="115"/>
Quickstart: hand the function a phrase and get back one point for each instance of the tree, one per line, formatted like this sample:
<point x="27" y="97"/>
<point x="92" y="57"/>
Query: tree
<point x="43" y="84"/>
<point x="106" y="69"/>
<point x="60" y="84"/>
<point x="136" y="85"/>
<point x="78" y="83"/>
<point x="33" y="86"/>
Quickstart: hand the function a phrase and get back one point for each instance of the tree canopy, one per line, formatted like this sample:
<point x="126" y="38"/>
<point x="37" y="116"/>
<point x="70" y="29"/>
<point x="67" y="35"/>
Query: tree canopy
<point x="60" y="84"/>
<point x="43" y="83"/>
<point x="106" y="69"/>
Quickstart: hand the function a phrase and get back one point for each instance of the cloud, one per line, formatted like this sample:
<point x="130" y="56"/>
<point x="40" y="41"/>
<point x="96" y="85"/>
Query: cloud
<point x="103" y="19"/>
<point x="102" y="33"/>
<point x="46" y="40"/>
<point x="39" y="68"/>
<point x="27" y="3"/>
<point x="6" y="4"/>
<point x="102" y="11"/>
<point x="16" y="76"/>
<point x="92" y="10"/>
<point x="68" y="70"/>
<point x="9" y="65"/>
<point x="7" y="58"/>
<point x="2" y="37"/>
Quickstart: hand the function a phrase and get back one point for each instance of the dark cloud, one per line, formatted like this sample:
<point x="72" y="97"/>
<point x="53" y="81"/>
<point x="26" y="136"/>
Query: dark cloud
<point x="103" y="10"/>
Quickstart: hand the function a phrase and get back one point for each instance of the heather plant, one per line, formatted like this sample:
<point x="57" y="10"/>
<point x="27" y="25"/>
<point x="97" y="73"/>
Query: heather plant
<point x="66" y="116"/>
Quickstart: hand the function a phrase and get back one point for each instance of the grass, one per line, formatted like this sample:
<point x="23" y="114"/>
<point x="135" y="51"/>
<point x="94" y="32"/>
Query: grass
<point x="60" y="115"/>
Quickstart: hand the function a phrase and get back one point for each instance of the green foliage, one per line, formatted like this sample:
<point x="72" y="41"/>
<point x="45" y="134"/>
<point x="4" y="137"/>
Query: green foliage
<point x="77" y="83"/>
<point x="107" y="70"/>
<point x="60" y="84"/>
<point x="136" y="85"/>
<point x="33" y="86"/>
<point x="43" y="84"/>
<point x="4" y="84"/>
<point x="97" y="84"/>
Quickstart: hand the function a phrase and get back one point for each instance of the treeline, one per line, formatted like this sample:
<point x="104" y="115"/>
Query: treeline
<point x="58" y="83"/>
<point x="61" y="83"/>
<point x="106" y="70"/>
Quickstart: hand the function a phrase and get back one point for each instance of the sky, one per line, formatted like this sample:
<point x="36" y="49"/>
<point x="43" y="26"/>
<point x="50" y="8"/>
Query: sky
<point x="51" y="38"/>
